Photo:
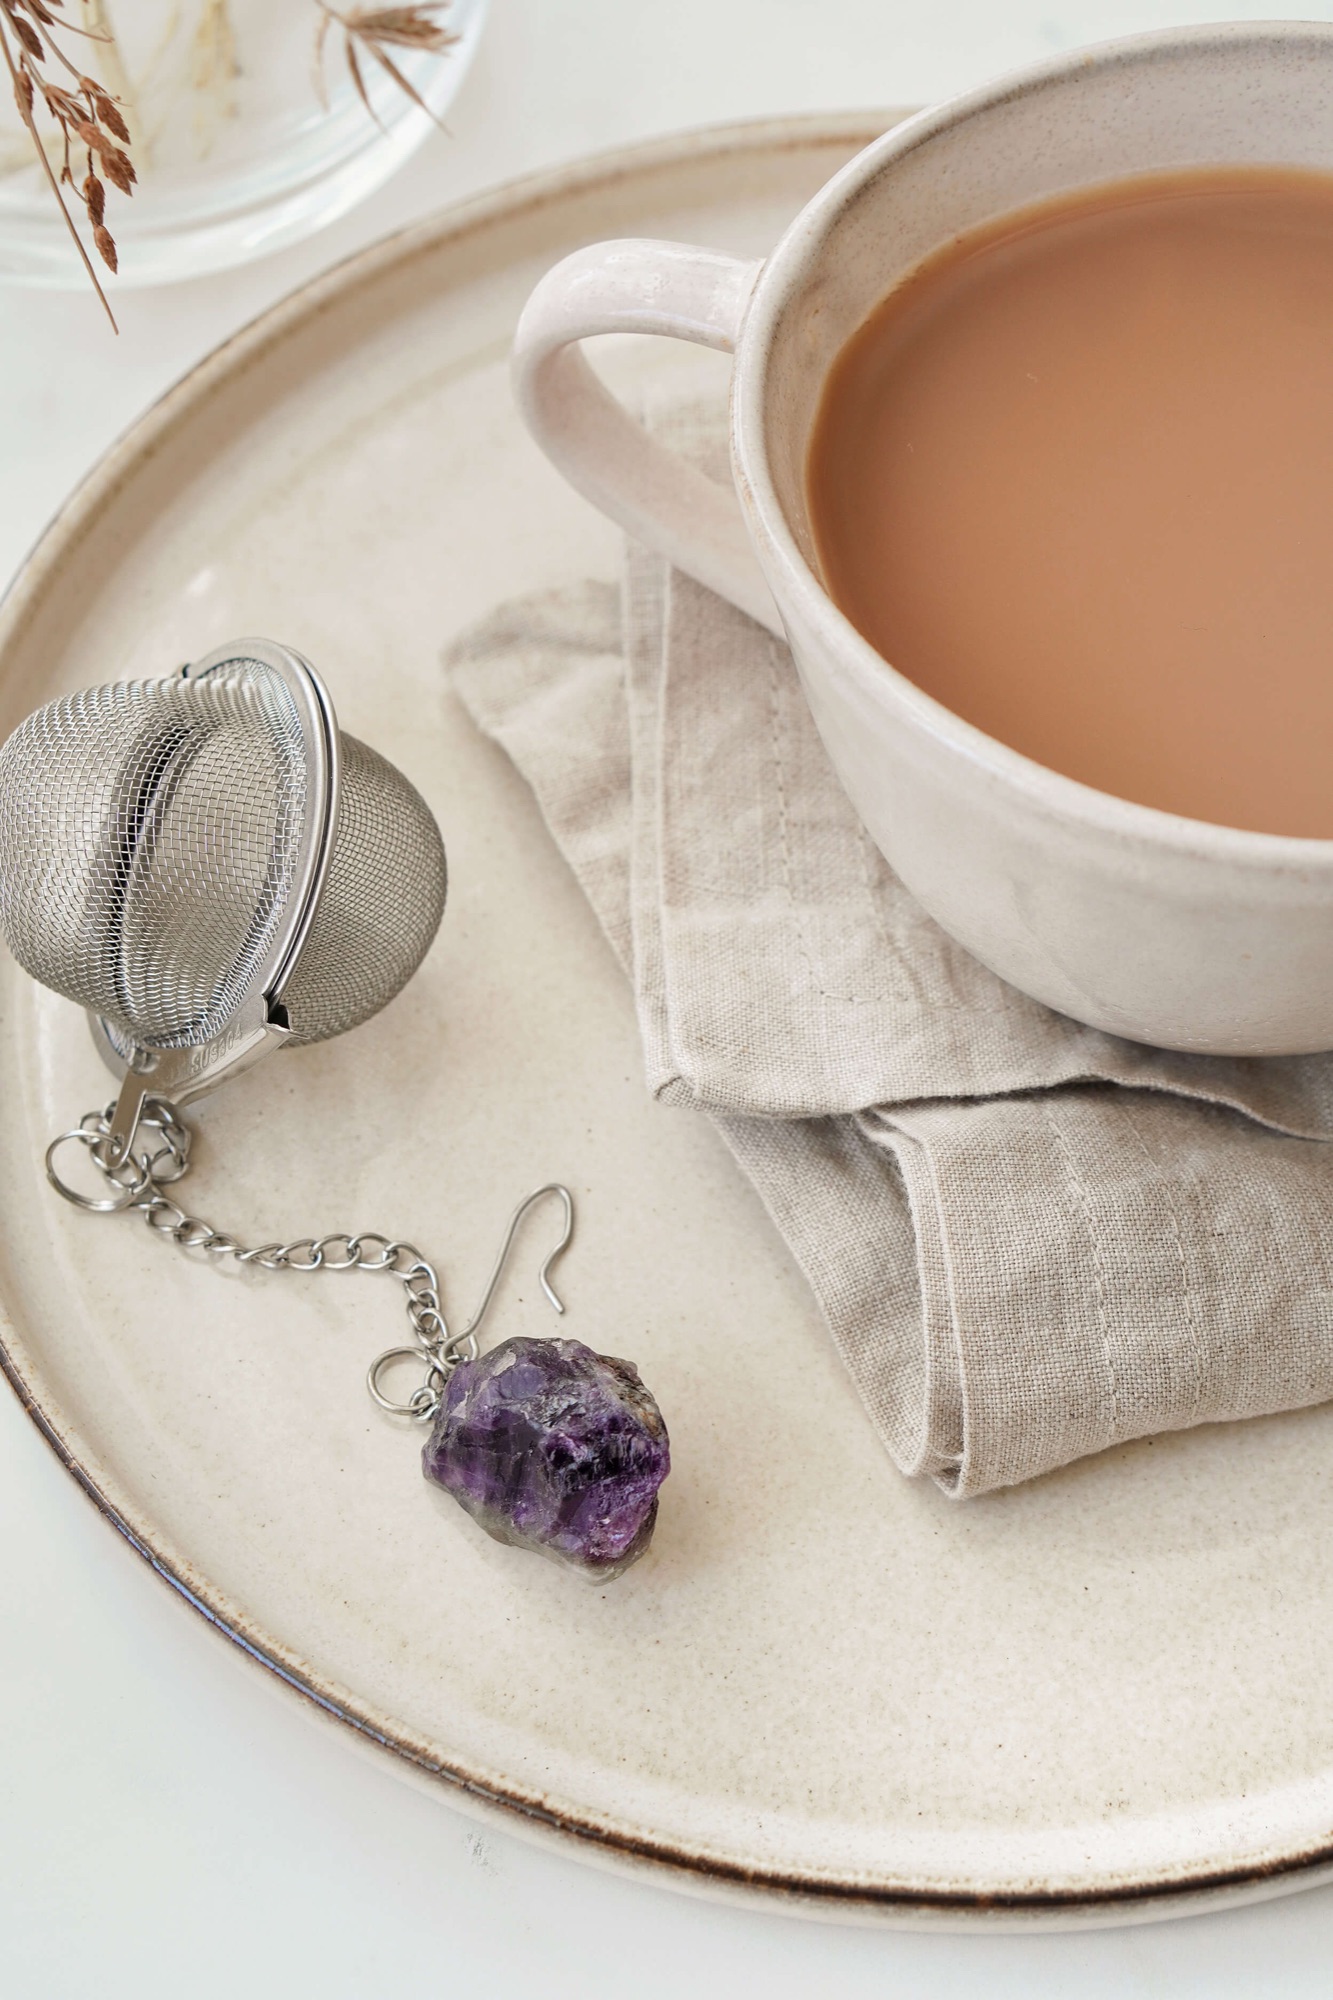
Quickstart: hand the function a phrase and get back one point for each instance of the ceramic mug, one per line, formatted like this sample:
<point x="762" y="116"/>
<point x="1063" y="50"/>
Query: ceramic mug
<point x="1160" y="928"/>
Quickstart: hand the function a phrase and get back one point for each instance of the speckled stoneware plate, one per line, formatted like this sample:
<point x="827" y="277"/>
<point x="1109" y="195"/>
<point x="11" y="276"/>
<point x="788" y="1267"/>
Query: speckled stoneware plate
<point x="1104" y="1695"/>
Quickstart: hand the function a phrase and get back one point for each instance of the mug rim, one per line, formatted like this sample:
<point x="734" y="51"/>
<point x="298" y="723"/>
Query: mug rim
<point x="791" y="576"/>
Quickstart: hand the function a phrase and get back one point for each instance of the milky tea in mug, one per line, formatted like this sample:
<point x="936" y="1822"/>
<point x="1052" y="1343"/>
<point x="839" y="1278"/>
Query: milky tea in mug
<point x="1074" y="478"/>
<point x="1032" y="454"/>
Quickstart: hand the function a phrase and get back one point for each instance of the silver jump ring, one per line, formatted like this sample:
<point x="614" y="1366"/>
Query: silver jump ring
<point x="107" y="1204"/>
<point x="414" y="1407"/>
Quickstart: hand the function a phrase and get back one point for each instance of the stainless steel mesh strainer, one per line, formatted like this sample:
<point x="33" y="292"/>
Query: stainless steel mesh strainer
<point x="210" y="868"/>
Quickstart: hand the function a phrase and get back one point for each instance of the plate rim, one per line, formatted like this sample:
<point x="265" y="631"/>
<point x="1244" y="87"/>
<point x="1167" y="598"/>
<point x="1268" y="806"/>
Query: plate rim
<point x="830" y="1897"/>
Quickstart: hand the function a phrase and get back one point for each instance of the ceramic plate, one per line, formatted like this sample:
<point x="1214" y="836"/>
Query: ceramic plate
<point x="1101" y="1695"/>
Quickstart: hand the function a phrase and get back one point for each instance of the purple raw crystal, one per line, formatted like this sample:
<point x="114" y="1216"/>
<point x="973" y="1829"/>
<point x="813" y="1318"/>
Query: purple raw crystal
<point x="553" y="1448"/>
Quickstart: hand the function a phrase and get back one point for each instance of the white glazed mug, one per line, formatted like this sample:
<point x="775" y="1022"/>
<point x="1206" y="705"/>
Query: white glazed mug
<point x="1163" y="929"/>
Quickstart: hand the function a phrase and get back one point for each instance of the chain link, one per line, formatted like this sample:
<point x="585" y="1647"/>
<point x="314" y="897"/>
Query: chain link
<point x="160" y="1157"/>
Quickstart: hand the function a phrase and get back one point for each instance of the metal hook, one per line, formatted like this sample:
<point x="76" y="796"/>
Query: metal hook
<point x="442" y="1351"/>
<point x="567" y="1199"/>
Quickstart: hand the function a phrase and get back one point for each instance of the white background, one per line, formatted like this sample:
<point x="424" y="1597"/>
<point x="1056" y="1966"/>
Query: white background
<point x="169" y="1822"/>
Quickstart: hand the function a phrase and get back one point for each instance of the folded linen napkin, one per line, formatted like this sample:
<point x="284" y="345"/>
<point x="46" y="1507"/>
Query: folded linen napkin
<point x="1030" y="1240"/>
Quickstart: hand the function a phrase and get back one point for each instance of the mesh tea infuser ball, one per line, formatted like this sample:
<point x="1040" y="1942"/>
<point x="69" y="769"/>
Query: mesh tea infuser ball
<point x="210" y="868"/>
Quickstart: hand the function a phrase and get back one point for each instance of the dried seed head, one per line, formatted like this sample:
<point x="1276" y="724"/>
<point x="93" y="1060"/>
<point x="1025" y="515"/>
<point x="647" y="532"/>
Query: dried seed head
<point x="118" y="168"/>
<point x="28" y="36"/>
<point x="408" y="27"/>
<point x="88" y="117"/>
<point x="110" y="116"/>
<point x="92" y="118"/>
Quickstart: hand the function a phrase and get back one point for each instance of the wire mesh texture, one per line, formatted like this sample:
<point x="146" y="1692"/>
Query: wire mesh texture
<point x="150" y="841"/>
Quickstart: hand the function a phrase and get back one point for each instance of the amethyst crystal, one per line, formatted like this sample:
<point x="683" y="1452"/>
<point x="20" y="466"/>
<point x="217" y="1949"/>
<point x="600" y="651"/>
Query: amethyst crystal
<point x="553" y="1448"/>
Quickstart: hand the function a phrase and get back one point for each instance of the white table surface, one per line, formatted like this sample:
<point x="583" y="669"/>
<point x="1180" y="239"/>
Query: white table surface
<point x="169" y="1822"/>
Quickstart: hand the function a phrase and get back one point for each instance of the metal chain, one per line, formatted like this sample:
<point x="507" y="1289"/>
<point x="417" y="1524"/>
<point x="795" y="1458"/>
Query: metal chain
<point x="160" y="1157"/>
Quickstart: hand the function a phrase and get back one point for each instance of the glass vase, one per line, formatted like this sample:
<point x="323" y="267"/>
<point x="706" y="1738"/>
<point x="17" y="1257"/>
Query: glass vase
<point x="245" y="133"/>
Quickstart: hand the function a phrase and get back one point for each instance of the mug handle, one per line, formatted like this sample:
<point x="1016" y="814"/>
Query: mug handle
<point x="639" y="286"/>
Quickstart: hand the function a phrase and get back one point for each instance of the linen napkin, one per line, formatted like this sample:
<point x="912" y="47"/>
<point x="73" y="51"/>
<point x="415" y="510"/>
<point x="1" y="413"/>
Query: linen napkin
<point x="1029" y="1240"/>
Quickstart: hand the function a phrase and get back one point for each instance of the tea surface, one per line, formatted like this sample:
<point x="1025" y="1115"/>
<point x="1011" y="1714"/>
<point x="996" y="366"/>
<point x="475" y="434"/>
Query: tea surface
<point x="1074" y="478"/>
